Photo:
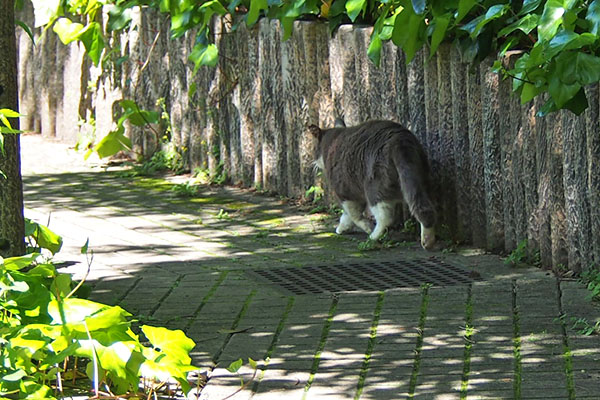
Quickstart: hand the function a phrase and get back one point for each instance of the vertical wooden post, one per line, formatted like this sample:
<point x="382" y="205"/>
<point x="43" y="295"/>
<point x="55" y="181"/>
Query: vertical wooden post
<point x="592" y="124"/>
<point x="12" y="226"/>
<point x="492" y="156"/>
<point x="460" y="139"/>
<point x="575" y="167"/>
<point x="478" y="216"/>
<point x="445" y="146"/>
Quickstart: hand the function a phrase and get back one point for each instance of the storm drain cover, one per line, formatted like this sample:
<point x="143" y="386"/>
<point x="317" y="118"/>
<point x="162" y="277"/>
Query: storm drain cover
<point x="369" y="276"/>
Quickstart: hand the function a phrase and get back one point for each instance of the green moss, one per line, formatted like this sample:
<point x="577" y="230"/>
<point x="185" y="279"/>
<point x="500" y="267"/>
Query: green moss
<point x="321" y="346"/>
<point x="469" y="332"/>
<point x="273" y="345"/>
<point x="419" y="345"/>
<point x="370" y="346"/>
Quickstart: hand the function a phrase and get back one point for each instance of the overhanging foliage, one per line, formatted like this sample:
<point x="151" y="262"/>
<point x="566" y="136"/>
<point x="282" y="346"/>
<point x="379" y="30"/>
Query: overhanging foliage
<point x="553" y="44"/>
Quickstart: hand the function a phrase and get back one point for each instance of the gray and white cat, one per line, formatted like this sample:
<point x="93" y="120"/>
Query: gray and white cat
<point x="376" y="165"/>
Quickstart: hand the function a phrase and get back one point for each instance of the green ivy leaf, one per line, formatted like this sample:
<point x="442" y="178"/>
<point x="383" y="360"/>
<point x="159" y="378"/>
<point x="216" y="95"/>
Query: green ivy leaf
<point x="44" y="237"/>
<point x="252" y="363"/>
<point x="256" y="6"/>
<point x="15" y="376"/>
<point x="525" y="25"/>
<point x="529" y="91"/>
<point x="354" y="8"/>
<point x="180" y="22"/>
<point x="374" y="50"/>
<point x="17" y="263"/>
<point x="116" y="353"/>
<point x="288" y="27"/>
<point x="35" y="390"/>
<point x="67" y="30"/>
<point x="62" y="284"/>
<point x="113" y="143"/>
<point x="593" y="16"/>
<point x="174" y="343"/>
<point x="204" y="55"/>
<point x="74" y="310"/>
<point x="408" y="32"/>
<point x="92" y="39"/>
<point x="419" y="6"/>
<point x="44" y="11"/>
<point x="44" y="270"/>
<point x="8" y="113"/>
<point x="84" y="248"/>
<point x="440" y="24"/>
<point x="119" y="17"/>
<point x="578" y="103"/>
<point x="476" y="25"/>
<point x="561" y="92"/>
<point x="529" y="6"/>
<point x="58" y="357"/>
<point x="235" y="366"/>
<point x="551" y="19"/>
<point x="464" y="6"/>
<point x="578" y="67"/>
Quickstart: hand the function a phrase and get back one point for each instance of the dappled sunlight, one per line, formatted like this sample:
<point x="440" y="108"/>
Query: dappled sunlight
<point x="185" y="262"/>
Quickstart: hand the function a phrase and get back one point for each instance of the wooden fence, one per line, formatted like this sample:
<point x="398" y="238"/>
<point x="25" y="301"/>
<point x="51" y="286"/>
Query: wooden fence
<point x="502" y="174"/>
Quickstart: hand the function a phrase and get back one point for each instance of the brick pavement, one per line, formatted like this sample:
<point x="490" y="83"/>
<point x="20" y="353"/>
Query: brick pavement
<point x="182" y="262"/>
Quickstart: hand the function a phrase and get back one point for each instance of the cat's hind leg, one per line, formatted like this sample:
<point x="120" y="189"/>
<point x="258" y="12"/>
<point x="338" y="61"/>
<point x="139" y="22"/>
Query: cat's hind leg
<point x="353" y="215"/>
<point x="345" y="224"/>
<point x="384" y="217"/>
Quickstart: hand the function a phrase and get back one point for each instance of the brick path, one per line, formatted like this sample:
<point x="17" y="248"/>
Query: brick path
<point x="181" y="262"/>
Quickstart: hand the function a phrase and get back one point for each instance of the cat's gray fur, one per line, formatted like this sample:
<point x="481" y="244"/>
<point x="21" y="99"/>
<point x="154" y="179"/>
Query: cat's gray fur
<point x="376" y="165"/>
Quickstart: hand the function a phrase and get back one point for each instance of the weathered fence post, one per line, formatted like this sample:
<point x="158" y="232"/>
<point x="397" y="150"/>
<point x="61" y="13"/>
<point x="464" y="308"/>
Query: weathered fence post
<point x="575" y="189"/>
<point x="592" y="124"/>
<point x="478" y="216"/>
<point x="460" y="142"/>
<point x="526" y="142"/>
<point x="344" y="90"/>
<point x="295" y="105"/>
<point x="492" y="156"/>
<point x="248" y="89"/>
<point x="558" y="219"/>
<point x="445" y="146"/>
<point x="271" y="121"/>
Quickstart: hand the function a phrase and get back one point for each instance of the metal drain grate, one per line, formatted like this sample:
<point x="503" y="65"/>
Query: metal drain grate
<point x="369" y="276"/>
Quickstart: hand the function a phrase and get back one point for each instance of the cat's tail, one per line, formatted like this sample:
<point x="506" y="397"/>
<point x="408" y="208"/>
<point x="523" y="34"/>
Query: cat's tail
<point x="414" y="181"/>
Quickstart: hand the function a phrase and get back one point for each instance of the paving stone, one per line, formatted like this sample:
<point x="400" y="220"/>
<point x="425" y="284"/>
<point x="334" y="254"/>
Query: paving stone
<point x="174" y="262"/>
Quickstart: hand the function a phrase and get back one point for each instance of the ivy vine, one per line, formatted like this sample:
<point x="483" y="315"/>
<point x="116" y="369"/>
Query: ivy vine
<point x="555" y="43"/>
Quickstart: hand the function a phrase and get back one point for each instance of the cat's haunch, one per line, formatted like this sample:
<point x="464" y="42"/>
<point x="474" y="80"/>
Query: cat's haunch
<point x="376" y="165"/>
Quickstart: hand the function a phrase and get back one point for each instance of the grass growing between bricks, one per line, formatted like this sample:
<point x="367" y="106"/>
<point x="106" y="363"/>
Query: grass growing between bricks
<point x="234" y="326"/>
<point x="567" y="356"/>
<point x="370" y="346"/>
<point x="518" y="368"/>
<point x="167" y="294"/>
<point x="321" y="346"/>
<point x="189" y="205"/>
<point x="419" y="345"/>
<point x="273" y="345"/>
<point x="469" y="332"/>
<point x="205" y="299"/>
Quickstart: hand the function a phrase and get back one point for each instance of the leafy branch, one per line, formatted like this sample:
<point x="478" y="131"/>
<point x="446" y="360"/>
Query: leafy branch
<point x="557" y="40"/>
<point x="47" y="330"/>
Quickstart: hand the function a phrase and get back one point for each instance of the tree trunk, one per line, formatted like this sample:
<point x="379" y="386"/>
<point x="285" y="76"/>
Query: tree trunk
<point x="11" y="187"/>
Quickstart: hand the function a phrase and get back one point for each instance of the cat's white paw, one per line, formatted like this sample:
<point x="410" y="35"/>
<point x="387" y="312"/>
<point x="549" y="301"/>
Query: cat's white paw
<point x="427" y="237"/>
<point x="340" y="230"/>
<point x="345" y="224"/>
<point x="377" y="233"/>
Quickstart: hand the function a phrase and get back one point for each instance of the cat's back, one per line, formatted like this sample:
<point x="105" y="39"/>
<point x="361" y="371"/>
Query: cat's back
<point x="372" y="136"/>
